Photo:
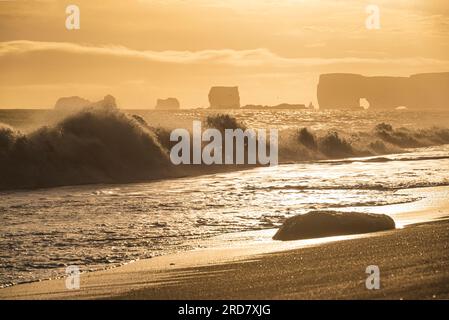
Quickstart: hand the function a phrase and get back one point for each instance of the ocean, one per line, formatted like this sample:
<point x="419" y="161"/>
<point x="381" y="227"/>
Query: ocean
<point x="100" y="225"/>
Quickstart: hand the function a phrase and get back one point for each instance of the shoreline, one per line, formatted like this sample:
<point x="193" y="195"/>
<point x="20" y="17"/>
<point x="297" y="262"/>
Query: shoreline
<point x="172" y="276"/>
<point x="408" y="270"/>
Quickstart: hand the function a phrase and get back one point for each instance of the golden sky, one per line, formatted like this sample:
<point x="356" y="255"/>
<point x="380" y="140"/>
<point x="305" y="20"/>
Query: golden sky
<point x="274" y="50"/>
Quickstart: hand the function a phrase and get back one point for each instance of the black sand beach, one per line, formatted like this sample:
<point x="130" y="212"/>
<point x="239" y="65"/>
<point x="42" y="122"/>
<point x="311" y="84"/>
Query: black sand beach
<point x="413" y="262"/>
<point x="410" y="269"/>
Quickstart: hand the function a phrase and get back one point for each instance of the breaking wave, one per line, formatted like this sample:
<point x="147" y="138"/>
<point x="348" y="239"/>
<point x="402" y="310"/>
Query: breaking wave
<point x="108" y="146"/>
<point x="304" y="145"/>
<point x="91" y="146"/>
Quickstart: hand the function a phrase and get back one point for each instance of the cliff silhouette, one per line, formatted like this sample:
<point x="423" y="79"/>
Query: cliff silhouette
<point x="419" y="91"/>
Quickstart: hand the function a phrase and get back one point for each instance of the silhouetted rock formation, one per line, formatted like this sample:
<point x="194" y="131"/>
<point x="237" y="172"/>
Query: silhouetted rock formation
<point x="277" y="107"/>
<point x="224" y="97"/>
<point x="167" y="104"/>
<point x="317" y="224"/>
<point x="77" y="103"/>
<point x="420" y="91"/>
<point x="108" y="102"/>
<point x="72" y="103"/>
<point x="289" y="106"/>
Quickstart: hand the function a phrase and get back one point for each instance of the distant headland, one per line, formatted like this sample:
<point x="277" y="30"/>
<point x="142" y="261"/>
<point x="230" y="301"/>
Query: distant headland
<point x="419" y="91"/>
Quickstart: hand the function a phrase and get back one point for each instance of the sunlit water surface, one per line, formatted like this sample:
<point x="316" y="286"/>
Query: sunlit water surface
<point x="96" y="226"/>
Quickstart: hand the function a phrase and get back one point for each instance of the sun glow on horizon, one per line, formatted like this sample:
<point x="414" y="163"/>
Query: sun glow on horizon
<point x="273" y="50"/>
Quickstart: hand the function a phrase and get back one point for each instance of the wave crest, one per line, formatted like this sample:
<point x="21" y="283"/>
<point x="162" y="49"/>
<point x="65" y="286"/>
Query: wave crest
<point x="305" y="144"/>
<point x="88" y="147"/>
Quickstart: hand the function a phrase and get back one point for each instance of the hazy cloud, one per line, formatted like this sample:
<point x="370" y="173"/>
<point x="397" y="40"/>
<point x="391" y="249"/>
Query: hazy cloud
<point x="241" y="58"/>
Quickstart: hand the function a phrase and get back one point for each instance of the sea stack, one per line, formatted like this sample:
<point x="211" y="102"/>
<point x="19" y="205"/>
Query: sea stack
<point x="75" y="103"/>
<point x="108" y="103"/>
<point x="71" y="103"/>
<point x="224" y="98"/>
<point x="167" y="104"/>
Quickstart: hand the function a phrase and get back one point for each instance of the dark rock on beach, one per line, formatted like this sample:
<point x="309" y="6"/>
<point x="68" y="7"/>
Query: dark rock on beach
<point x="317" y="224"/>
